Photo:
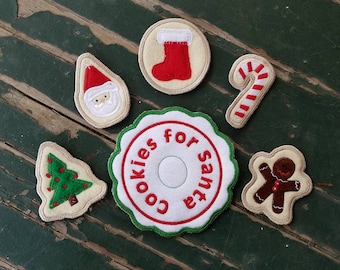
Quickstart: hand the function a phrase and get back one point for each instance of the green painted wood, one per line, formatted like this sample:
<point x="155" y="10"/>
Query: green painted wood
<point x="297" y="33"/>
<point x="11" y="191"/>
<point x="293" y="112"/>
<point x="12" y="187"/>
<point x="116" y="15"/>
<point x="245" y="243"/>
<point x="8" y="10"/>
<point x="28" y="245"/>
<point x="223" y="226"/>
<point x="277" y="102"/>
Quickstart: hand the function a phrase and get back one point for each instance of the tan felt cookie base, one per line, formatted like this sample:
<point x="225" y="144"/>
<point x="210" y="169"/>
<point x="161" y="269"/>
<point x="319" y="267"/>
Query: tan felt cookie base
<point x="151" y="53"/>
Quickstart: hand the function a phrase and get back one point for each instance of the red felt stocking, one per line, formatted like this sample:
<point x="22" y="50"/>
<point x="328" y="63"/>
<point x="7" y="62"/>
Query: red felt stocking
<point x="176" y="63"/>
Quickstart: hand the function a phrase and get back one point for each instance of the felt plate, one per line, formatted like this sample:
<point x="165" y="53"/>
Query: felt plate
<point x="173" y="171"/>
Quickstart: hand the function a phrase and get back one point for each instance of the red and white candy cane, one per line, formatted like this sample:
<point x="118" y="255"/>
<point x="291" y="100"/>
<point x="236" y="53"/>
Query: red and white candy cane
<point x="253" y="75"/>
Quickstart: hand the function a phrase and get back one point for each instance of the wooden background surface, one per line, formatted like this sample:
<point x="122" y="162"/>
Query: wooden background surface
<point x="39" y="43"/>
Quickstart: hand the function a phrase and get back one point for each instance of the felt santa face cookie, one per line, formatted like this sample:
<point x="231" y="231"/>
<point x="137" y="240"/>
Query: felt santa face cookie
<point x="174" y="56"/>
<point x="173" y="171"/>
<point x="66" y="185"/>
<point x="101" y="96"/>
<point x="278" y="181"/>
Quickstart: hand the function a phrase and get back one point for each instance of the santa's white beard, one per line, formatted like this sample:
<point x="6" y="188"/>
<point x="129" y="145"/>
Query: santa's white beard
<point x="103" y="100"/>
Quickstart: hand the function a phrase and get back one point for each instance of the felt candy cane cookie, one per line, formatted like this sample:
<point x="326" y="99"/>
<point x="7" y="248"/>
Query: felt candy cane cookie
<point x="253" y="75"/>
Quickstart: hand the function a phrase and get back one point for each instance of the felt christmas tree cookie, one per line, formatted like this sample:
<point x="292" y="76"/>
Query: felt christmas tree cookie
<point x="173" y="171"/>
<point x="66" y="185"/>
<point x="253" y="75"/>
<point x="101" y="96"/>
<point x="174" y="56"/>
<point x="278" y="181"/>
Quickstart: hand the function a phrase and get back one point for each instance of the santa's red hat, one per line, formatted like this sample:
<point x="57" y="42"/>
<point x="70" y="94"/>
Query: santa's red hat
<point x="93" y="77"/>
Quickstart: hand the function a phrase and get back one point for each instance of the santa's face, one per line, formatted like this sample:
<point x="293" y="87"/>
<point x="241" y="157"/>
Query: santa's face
<point x="103" y="100"/>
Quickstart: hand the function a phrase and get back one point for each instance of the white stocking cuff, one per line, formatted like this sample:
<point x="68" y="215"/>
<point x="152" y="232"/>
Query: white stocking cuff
<point x="174" y="35"/>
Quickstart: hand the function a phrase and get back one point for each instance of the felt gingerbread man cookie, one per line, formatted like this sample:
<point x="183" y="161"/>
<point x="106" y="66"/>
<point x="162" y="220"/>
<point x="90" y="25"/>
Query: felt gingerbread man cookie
<point x="278" y="181"/>
<point x="65" y="184"/>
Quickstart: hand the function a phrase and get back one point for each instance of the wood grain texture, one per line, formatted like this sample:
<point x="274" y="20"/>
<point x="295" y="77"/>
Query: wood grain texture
<point x="39" y="43"/>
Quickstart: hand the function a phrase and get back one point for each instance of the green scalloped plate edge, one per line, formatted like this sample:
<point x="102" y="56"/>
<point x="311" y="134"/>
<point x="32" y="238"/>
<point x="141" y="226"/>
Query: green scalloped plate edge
<point x="115" y="180"/>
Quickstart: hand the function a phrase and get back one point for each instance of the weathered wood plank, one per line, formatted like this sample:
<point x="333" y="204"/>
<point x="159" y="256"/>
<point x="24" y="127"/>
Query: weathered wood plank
<point x="219" y="103"/>
<point x="17" y="191"/>
<point x="220" y="107"/>
<point x="29" y="201"/>
<point x="210" y="242"/>
<point x="167" y="10"/>
<point x="37" y="84"/>
<point x="29" y="7"/>
<point x="234" y="237"/>
<point x="203" y="96"/>
<point x="39" y="248"/>
<point x="282" y="30"/>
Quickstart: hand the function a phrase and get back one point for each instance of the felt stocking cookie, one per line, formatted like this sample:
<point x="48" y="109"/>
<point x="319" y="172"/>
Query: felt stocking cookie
<point x="278" y="181"/>
<point x="66" y="185"/>
<point x="101" y="96"/>
<point x="174" y="56"/>
<point x="173" y="171"/>
<point x="176" y="64"/>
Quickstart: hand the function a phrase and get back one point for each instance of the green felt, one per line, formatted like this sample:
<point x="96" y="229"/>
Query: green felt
<point x="64" y="182"/>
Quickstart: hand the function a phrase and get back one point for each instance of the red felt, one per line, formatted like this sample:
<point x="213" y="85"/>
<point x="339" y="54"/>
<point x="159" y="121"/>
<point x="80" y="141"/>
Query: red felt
<point x="176" y="63"/>
<point x="251" y="97"/>
<point x="257" y="87"/>
<point x="262" y="76"/>
<point x="250" y="67"/>
<point x="244" y="107"/>
<point x="242" y="73"/>
<point x="259" y="68"/>
<point x="239" y="114"/>
<point x="93" y="77"/>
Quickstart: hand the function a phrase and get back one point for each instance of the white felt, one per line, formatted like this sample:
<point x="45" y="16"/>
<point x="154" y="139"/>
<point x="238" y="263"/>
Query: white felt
<point x="174" y="35"/>
<point x="103" y="100"/>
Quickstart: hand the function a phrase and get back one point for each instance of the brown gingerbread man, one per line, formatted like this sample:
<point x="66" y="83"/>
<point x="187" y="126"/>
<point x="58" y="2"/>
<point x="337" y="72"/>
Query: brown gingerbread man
<point x="277" y="183"/>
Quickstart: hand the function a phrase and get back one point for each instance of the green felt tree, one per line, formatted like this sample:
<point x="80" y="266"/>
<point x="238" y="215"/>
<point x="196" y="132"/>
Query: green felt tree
<point x="63" y="182"/>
